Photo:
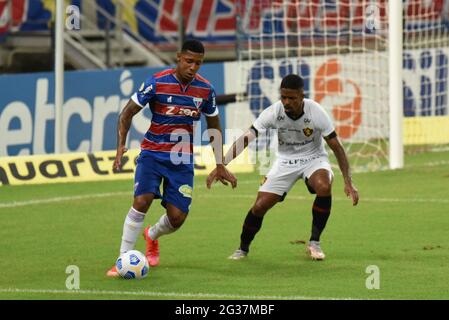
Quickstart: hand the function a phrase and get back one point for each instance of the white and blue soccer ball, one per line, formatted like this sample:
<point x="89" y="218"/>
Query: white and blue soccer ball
<point x="132" y="265"/>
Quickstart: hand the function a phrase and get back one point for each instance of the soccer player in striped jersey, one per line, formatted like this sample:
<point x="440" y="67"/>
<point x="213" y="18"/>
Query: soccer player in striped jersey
<point x="301" y="126"/>
<point x="177" y="98"/>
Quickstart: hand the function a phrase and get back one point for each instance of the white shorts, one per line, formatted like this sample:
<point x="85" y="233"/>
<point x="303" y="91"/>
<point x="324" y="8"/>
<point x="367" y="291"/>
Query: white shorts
<point x="285" y="172"/>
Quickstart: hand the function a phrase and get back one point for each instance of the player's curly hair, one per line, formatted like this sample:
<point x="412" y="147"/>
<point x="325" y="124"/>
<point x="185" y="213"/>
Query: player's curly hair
<point x="292" y="81"/>
<point x="192" y="45"/>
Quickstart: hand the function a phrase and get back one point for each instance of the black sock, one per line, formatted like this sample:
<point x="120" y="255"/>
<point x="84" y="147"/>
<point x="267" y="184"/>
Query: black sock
<point x="320" y="211"/>
<point x="250" y="227"/>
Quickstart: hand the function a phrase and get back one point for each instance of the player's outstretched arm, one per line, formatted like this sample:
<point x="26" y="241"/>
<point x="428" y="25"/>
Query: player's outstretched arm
<point x="216" y="139"/>
<point x="237" y="147"/>
<point x="336" y="146"/>
<point x="123" y="125"/>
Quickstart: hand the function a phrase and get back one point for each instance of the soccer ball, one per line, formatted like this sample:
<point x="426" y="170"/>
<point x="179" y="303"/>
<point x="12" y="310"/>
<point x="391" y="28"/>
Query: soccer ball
<point x="132" y="265"/>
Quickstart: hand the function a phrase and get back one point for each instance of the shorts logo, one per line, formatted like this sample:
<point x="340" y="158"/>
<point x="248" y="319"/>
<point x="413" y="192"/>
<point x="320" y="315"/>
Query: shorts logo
<point x="136" y="185"/>
<point x="186" y="190"/>
<point x="264" y="179"/>
<point x="307" y="132"/>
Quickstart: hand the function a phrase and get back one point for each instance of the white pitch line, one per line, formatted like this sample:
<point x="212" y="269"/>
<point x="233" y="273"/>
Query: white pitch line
<point x="429" y="164"/>
<point x="15" y="204"/>
<point x="61" y="199"/>
<point x="242" y="196"/>
<point x="167" y="294"/>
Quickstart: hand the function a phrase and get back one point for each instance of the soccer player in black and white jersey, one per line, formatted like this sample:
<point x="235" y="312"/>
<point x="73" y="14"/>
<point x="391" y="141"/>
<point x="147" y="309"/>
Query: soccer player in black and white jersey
<point x="302" y="125"/>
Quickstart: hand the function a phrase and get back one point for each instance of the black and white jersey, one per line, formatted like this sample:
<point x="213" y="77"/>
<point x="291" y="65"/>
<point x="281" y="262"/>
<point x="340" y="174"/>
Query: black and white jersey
<point x="298" y="138"/>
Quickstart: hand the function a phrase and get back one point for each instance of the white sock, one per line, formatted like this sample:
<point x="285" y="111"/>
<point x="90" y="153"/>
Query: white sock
<point x="162" y="227"/>
<point x="131" y="229"/>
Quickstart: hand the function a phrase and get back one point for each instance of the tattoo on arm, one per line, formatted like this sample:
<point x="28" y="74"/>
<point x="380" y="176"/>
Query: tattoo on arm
<point x="124" y="121"/>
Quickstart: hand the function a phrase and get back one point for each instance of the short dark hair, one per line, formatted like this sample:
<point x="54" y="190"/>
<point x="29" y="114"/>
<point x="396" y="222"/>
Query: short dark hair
<point x="292" y="81"/>
<point x="192" y="45"/>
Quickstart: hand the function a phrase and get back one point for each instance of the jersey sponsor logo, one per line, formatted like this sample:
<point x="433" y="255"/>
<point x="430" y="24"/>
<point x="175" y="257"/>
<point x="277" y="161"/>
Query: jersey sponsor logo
<point x="186" y="190"/>
<point x="281" y="118"/>
<point x="286" y="130"/>
<point x="179" y="111"/>
<point x="300" y="161"/>
<point x="197" y="102"/>
<point x="307" y="131"/>
<point x="295" y="143"/>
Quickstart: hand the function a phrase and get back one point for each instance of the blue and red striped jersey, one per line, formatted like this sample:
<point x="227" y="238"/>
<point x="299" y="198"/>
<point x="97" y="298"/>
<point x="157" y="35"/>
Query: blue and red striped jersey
<point x="175" y="107"/>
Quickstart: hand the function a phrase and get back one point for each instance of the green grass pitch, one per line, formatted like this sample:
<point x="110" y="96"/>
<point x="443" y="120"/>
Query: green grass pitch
<point x="400" y="225"/>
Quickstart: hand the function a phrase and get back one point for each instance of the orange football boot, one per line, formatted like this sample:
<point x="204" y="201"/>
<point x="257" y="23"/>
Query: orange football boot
<point x="152" y="249"/>
<point x="113" y="273"/>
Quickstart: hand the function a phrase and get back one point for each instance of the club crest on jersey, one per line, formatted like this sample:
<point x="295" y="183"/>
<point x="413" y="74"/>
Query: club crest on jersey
<point x="197" y="102"/>
<point x="307" y="132"/>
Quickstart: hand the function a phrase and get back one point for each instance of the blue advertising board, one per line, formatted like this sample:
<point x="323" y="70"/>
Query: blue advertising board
<point x="92" y="103"/>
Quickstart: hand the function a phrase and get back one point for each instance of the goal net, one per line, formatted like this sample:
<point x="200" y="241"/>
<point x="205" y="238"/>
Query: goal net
<point x="340" y="48"/>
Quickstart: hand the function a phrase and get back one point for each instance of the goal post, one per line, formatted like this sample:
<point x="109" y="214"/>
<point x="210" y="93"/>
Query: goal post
<point x="395" y="28"/>
<point x="378" y="67"/>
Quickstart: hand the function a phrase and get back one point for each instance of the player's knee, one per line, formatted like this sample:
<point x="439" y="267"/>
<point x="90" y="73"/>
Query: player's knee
<point x="323" y="189"/>
<point x="177" y="220"/>
<point x="259" y="209"/>
<point x="142" y="204"/>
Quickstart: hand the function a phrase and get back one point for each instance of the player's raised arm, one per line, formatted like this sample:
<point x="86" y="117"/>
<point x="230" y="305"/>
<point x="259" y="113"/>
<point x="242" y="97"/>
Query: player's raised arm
<point x="336" y="146"/>
<point x="220" y="173"/>
<point x="239" y="145"/>
<point x="123" y="125"/>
